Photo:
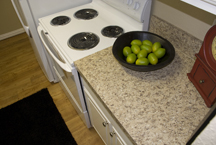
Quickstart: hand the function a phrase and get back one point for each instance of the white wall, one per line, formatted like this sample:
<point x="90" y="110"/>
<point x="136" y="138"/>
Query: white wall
<point x="181" y="20"/>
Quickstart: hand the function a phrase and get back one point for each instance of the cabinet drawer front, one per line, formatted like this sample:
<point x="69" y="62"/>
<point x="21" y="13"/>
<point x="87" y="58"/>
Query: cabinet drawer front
<point x="204" y="81"/>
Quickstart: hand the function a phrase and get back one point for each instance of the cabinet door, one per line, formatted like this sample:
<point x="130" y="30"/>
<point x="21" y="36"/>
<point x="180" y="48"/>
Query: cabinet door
<point x="98" y="120"/>
<point x="116" y="138"/>
<point x="100" y="116"/>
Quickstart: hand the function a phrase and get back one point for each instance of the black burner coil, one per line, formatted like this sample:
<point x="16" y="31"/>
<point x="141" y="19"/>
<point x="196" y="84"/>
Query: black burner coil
<point x="83" y="40"/>
<point x="60" y="20"/>
<point x="112" y="31"/>
<point x="86" y="14"/>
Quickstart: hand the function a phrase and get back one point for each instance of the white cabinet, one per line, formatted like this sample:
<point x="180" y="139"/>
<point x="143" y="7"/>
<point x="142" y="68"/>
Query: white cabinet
<point x="116" y="138"/>
<point x="102" y="121"/>
<point x="99" y="121"/>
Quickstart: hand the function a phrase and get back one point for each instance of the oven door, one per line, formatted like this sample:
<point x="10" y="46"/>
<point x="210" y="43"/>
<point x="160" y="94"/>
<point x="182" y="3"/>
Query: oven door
<point x="69" y="78"/>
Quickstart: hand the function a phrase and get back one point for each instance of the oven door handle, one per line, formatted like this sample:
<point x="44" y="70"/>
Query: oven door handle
<point x="60" y="63"/>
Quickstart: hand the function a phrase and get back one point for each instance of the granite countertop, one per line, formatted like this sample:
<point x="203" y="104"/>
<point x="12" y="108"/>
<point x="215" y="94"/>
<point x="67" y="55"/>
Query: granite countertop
<point x="158" y="107"/>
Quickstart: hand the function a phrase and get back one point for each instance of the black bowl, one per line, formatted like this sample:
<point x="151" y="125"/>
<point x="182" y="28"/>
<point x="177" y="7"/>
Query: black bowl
<point x="125" y="40"/>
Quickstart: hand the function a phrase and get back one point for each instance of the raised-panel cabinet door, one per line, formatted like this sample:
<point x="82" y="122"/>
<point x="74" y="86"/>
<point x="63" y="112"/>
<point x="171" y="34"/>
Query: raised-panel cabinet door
<point x="99" y="122"/>
<point x="119" y="142"/>
<point x="116" y="138"/>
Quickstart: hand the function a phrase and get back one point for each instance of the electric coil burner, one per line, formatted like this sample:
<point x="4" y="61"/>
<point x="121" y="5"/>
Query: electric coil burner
<point x="86" y="14"/>
<point x="83" y="40"/>
<point x="60" y="20"/>
<point x="112" y="31"/>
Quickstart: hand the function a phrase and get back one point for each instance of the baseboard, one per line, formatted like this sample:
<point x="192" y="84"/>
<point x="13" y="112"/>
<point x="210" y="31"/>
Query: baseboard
<point x="181" y="20"/>
<point x="11" y="34"/>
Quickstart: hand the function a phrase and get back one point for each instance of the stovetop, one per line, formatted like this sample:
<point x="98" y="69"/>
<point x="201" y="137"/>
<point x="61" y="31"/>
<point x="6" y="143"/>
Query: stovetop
<point x="107" y="16"/>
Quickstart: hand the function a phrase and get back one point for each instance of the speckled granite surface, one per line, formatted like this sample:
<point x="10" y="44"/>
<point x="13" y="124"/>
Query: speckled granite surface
<point x="158" y="107"/>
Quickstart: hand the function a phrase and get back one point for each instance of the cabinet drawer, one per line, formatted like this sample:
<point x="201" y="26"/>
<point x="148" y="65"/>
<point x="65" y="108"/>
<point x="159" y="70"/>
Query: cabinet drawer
<point x="204" y="81"/>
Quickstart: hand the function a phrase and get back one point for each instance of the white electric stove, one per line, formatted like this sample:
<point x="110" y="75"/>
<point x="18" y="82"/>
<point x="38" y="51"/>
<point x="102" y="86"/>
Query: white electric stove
<point x="78" y="32"/>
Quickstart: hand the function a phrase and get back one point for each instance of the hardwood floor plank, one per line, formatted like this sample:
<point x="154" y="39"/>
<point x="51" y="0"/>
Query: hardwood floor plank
<point x="21" y="76"/>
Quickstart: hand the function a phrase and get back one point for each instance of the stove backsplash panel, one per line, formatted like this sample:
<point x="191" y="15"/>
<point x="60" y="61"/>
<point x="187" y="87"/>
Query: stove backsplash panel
<point x="136" y="9"/>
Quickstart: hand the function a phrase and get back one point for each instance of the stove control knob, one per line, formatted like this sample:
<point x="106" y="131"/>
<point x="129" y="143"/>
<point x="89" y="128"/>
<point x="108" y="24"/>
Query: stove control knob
<point x="129" y="2"/>
<point x="136" y="6"/>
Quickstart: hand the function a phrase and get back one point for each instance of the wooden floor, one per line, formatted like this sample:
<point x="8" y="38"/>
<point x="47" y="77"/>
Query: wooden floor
<point x="21" y="76"/>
